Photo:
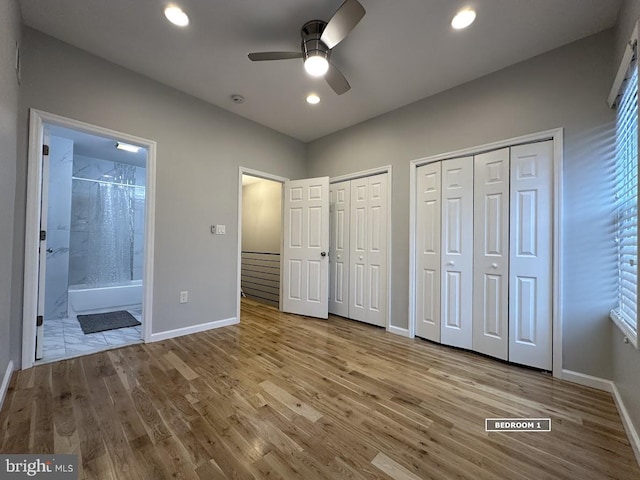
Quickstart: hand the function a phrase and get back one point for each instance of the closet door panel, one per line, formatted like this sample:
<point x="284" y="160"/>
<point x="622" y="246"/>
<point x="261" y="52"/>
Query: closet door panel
<point x="428" y="236"/>
<point x="358" y="295"/>
<point x="377" y="250"/>
<point x="340" y="198"/>
<point x="531" y="240"/>
<point x="491" y="254"/>
<point x="457" y="252"/>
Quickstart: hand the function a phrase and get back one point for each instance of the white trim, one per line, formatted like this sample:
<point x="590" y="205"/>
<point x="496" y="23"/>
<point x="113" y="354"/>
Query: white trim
<point x="556" y="135"/>
<point x="587" y="380"/>
<point x="627" y="57"/>
<point x="625" y="328"/>
<point x="5" y="382"/>
<point x="34" y="197"/>
<point x="388" y="169"/>
<point x="267" y="176"/>
<point x="609" y="386"/>
<point x="403" y="332"/>
<point x="632" y="433"/>
<point x="362" y="173"/>
<point x="179" y="332"/>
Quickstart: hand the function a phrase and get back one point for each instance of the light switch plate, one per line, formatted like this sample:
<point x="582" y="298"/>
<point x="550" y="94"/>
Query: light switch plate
<point x="221" y="229"/>
<point x="184" y="297"/>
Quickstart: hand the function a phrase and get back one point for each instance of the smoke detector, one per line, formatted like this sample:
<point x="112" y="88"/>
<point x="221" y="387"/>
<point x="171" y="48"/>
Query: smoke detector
<point x="238" y="99"/>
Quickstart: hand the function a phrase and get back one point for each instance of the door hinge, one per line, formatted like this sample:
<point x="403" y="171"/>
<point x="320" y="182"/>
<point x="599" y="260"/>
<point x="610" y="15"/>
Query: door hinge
<point x="43" y="235"/>
<point x="39" y="320"/>
<point x="45" y="149"/>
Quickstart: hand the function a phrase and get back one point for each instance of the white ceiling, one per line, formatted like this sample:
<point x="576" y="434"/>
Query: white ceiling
<point x="400" y="52"/>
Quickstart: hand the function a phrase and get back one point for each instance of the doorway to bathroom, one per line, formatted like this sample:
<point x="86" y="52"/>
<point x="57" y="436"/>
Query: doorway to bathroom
<point x="261" y="238"/>
<point x="91" y="261"/>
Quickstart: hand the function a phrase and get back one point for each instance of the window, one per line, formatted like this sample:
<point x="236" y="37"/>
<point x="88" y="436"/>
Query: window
<point x="626" y="159"/>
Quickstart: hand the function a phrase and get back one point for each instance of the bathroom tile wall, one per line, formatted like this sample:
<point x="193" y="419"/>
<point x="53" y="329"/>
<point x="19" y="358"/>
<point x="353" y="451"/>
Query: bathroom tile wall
<point x="58" y="227"/>
<point x="97" y="169"/>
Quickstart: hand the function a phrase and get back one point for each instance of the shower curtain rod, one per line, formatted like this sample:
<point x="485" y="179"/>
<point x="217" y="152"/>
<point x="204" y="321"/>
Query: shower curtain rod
<point x="107" y="183"/>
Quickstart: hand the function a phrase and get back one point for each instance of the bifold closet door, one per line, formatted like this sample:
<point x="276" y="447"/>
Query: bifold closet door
<point x="368" y="250"/>
<point x="428" y="186"/>
<point x="491" y="254"/>
<point x="457" y="252"/>
<point x="530" y="262"/>
<point x="340" y="199"/>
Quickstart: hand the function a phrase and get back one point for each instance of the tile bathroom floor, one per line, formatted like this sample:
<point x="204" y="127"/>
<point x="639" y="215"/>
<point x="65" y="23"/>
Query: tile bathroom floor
<point x="63" y="338"/>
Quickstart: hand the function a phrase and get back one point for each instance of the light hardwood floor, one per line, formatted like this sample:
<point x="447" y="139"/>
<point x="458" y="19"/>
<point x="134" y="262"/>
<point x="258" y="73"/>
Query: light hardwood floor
<point x="280" y="396"/>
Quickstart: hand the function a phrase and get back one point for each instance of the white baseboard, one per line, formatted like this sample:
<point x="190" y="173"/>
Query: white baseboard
<point x="399" y="331"/>
<point x="5" y="382"/>
<point x="609" y="386"/>
<point x="588" y="380"/>
<point x="178" y="332"/>
<point x="632" y="433"/>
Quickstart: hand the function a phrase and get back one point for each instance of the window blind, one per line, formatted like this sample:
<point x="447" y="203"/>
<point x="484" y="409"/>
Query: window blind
<point x="627" y="199"/>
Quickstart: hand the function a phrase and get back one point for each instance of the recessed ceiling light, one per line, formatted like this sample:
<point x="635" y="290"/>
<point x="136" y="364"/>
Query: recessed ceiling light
<point x="176" y="16"/>
<point x="463" y="18"/>
<point x="313" y="99"/>
<point x="127" y="148"/>
<point x="316" y="65"/>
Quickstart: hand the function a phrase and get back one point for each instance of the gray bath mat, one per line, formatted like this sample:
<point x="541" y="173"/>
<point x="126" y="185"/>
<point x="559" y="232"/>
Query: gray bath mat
<point x="101" y="322"/>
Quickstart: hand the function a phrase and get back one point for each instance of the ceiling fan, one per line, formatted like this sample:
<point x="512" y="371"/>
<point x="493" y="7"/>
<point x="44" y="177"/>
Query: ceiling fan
<point x="318" y="39"/>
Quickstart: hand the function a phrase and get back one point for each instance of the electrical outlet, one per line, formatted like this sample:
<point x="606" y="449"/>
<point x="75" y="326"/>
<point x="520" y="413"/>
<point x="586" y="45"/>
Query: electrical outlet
<point x="221" y="229"/>
<point x="184" y="297"/>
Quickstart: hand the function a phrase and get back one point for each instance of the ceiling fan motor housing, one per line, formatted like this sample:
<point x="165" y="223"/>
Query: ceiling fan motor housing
<point x="311" y="44"/>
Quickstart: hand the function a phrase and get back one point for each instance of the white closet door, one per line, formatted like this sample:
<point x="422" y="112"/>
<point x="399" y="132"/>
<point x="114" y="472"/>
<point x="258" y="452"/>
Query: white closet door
<point x="457" y="252"/>
<point x="530" y="277"/>
<point x="376" y="273"/>
<point x="491" y="254"/>
<point x="428" y="251"/>
<point x="358" y="249"/>
<point x="340" y="199"/>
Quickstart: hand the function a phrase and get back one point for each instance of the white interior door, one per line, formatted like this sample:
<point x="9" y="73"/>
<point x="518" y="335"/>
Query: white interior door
<point x="42" y="254"/>
<point x="530" y="262"/>
<point x="491" y="254"/>
<point x="376" y="273"/>
<point x="368" y="250"/>
<point x="457" y="252"/>
<point x="429" y="188"/>
<point x="306" y="243"/>
<point x="358" y="250"/>
<point x="340" y="199"/>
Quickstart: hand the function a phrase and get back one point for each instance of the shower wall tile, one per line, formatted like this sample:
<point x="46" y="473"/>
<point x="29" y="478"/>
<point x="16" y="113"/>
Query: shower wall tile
<point x="58" y="227"/>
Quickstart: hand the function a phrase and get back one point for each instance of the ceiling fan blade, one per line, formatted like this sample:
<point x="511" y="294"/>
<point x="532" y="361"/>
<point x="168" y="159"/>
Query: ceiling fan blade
<point x="336" y="80"/>
<point x="262" y="56"/>
<point x="342" y="22"/>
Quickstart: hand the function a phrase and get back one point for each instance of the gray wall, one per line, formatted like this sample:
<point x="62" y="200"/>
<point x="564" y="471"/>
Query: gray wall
<point x="200" y="148"/>
<point x="262" y="217"/>
<point x="626" y="359"/>
<point x="565" y="88"/>
<point x="9" y="35"/>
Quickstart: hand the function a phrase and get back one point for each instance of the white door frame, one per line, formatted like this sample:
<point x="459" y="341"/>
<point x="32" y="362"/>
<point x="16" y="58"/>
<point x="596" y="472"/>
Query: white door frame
<point x="556" y="135"/>
<point x="368" y="173"/>
<point x="34" y="198"/>
<point x="267" y="176"/>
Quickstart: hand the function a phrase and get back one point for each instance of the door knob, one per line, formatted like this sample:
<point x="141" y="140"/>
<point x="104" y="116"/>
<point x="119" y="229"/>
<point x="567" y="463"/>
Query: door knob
<point x="494" y="265"/>
<point x="360" y="258"/>
<point x="49" y="250"/>
<point x="323" y="254"/>
<point x="338" y="257"/>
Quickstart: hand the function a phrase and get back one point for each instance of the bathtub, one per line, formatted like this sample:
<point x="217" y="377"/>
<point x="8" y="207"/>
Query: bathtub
<point x="87" y="299"/>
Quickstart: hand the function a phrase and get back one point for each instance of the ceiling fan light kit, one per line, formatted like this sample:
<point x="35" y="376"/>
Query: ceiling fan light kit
<point x="318" y="38"/>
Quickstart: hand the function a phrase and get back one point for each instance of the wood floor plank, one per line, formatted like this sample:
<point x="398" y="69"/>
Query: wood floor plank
<point x="280" y="397"/>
